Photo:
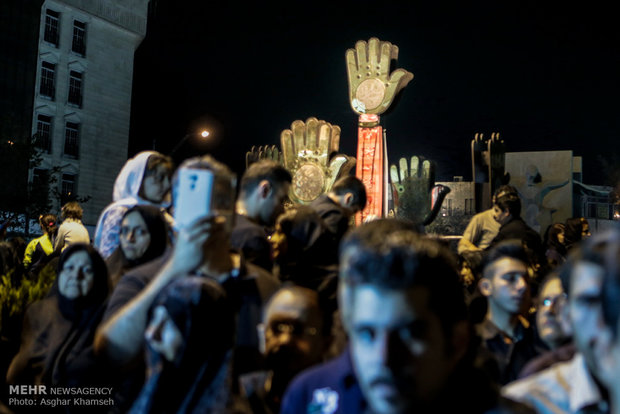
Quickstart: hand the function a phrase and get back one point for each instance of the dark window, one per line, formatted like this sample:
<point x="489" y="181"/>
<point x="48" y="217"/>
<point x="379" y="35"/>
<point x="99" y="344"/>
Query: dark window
<point x="39" y="177"/>
<point x="72" y="139"/>
<point x="44" y="133"/>
<point x="48" y="75"/>
<point x="79" y="37"/>
<point x="67" y="189"/>
<point x="75" y="88"/>
<point x="52" y="19"/>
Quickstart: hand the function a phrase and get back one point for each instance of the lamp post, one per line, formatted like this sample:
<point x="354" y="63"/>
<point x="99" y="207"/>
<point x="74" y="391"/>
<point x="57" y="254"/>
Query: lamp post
<point x="204" y="134"/>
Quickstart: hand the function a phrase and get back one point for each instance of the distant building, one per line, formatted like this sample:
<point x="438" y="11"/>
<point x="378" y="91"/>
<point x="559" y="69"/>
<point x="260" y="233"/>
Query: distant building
<point x="550" y="184"/>
<point x="460" y="199"/>
<point x="80" y="86"/>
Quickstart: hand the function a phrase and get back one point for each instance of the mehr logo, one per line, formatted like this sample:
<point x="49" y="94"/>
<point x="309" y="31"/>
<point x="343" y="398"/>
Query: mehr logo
<point x="28" y="389"/>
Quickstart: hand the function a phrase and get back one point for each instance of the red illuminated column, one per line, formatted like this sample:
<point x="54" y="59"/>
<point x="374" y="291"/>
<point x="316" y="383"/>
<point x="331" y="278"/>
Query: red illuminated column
<point x="370" y="165"/>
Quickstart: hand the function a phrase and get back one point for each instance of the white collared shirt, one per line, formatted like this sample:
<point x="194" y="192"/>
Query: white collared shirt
<point x="565" y="387"/>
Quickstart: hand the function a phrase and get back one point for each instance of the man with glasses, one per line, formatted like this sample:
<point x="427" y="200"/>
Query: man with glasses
<point x="552" y="325"/>
<point x="295" y="334"/>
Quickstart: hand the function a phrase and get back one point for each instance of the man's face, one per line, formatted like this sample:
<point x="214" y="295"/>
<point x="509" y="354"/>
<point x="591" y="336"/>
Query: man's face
<point x="293" y="333"/>
<point x="549" y="314"/>
<point x="273" y="204"/>
<point x="398" y="347"/>
<point x="508" y="284"/>
<point x="499" y="215"/>
<point x="584" y="309"/>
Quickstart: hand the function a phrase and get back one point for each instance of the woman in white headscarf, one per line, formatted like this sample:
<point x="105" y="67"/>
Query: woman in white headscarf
<point x="143" y="180"/>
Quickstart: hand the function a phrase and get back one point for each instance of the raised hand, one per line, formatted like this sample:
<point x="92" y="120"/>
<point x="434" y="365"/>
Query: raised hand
<point x="268" y="152"/>
<point x="310" y="153"/>
<point x="416" y="197"/>
<point x="372" y="88"/>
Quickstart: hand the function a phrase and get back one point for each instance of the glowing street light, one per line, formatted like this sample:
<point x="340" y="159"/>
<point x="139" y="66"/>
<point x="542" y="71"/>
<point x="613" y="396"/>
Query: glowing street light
<point x="204" y="134"/>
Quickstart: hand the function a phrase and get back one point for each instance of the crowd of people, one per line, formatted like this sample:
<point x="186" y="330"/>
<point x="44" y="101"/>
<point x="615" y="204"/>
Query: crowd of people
<point x="267" y="307"/>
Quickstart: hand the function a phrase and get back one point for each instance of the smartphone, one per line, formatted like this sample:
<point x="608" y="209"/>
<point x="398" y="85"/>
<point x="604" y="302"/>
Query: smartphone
<point x="195" y="189"/>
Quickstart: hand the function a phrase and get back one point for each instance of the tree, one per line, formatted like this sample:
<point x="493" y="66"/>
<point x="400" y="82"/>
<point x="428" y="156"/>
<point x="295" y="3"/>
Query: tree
<point x="20" y="198"/>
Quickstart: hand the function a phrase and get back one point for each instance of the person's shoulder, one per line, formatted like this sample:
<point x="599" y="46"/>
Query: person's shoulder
<point x="329" y="373"/>
<point x="546" y="382"/>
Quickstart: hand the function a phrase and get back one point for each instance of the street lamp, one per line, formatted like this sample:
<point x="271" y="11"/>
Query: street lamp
<point x="204" y="134"/>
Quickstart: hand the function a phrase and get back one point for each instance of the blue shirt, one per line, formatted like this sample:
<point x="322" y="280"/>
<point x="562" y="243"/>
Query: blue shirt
<point x="328" y="388"/>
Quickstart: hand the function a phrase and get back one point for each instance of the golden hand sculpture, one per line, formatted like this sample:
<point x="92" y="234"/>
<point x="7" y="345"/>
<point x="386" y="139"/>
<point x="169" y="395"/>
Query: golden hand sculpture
<point x="310" y="153"/>
<point x="372" y="88"/>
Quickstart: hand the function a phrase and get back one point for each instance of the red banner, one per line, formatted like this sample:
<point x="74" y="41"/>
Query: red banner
<point x="369" y="169"/>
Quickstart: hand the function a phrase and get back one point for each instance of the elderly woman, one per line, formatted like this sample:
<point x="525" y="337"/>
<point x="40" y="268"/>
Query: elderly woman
<point x="143" y="237"/>
<point x="189" y="339"/>
<point x="58" y="331"/>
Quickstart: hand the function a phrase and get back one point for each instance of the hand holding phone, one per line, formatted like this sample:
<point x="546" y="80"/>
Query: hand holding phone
<point x="193" y="200"/>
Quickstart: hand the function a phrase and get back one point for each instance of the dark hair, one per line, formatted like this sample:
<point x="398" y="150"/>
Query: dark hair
<point x="353" y="185"/>
<point x="157" y="227"/>
<point x="201" y="311"/>
<point x="572" y="231"/>
<point x="511" y="203"/>
<point x="551" y="237"/>
<point x="155" y="160"/>
<point x="48" y="223"/>
<point x="393" y="255"/>
<point x="72" y="210"/>
<point x="508" y="248"/>
<point x="268" y="170"/>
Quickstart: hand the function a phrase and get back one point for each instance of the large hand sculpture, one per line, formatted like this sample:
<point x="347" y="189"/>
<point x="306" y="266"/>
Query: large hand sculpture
<point x="310" y="152"/>
<point x="268" y="152"/>
<point x="416" y="197"/>
<point x="372" y="87"/>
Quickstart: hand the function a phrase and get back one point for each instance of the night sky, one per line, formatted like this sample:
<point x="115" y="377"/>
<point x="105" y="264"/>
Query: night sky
<point x="546" y="78"/>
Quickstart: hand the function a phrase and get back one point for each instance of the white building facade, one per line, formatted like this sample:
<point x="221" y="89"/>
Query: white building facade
<point x="82" y="99"/>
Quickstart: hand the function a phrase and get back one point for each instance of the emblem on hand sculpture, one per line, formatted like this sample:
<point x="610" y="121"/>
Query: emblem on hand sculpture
<point x="372" y="88"/>
<point x="310" y="153"/>
<point x="416" y="197"/>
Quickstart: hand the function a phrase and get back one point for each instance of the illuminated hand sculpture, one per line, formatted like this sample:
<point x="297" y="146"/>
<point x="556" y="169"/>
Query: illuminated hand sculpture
<point x="371" y="87"/>
<point x="310" y="153"/>
<point x="268" y="152"/>
<point x="416" y="197"/>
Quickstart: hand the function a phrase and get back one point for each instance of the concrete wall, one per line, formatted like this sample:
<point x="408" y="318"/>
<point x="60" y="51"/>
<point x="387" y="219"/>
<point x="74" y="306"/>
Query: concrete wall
<point x="544" y="181"/>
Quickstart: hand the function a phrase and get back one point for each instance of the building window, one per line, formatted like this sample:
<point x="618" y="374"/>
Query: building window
<point x="67" y="187"/>
<point x="75" y="88"/>
<point x="469" y="206"/>
<point x="40" y="177"/>
<point x="72" y="139"/>
<point x="44" y="133"/>
<point x="52" y="20"/>
<point x="79" y="38"/>
<point x="48" y="75"/>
